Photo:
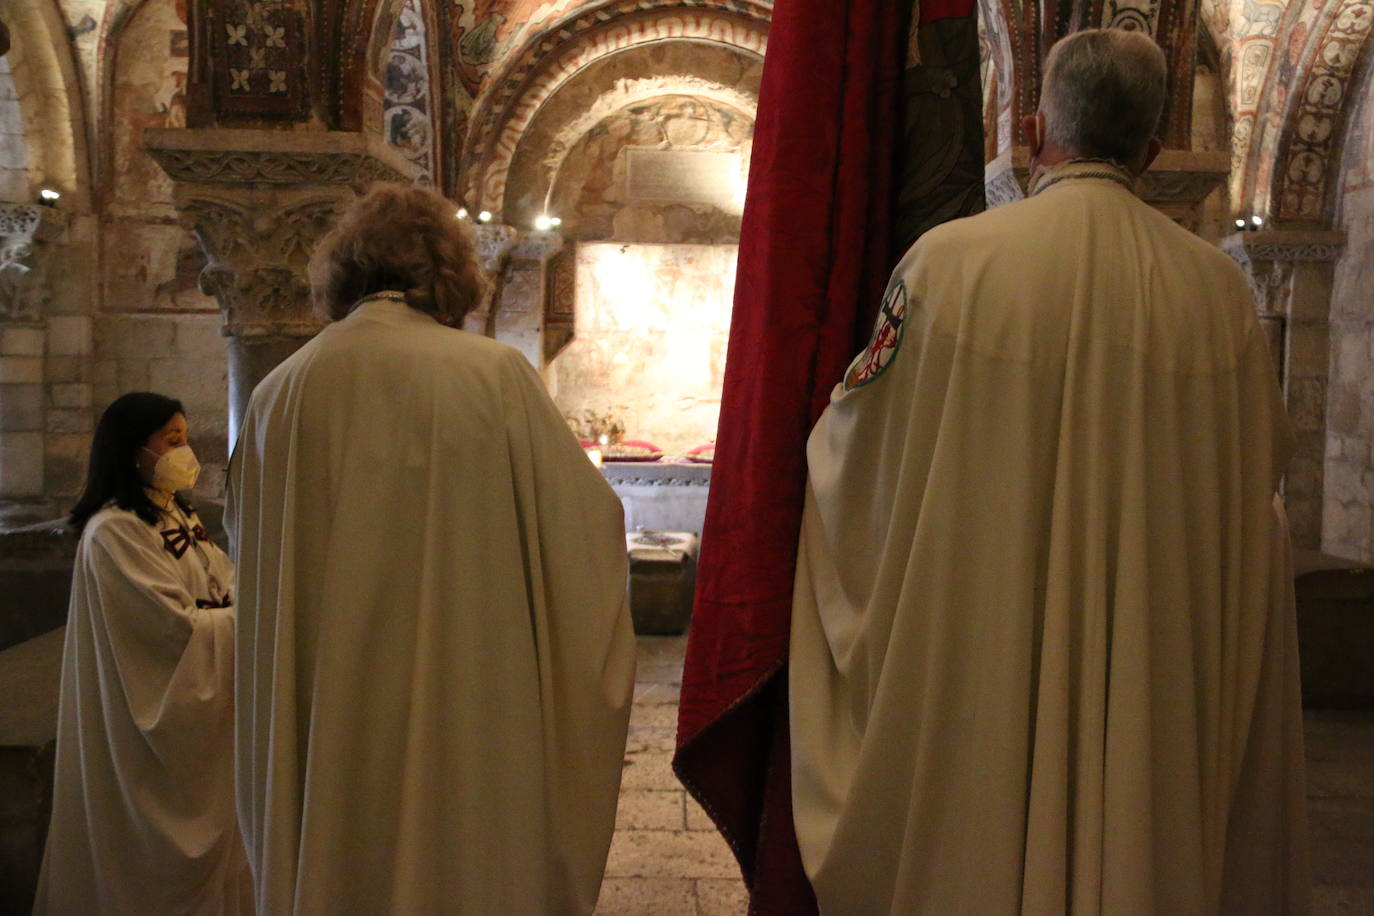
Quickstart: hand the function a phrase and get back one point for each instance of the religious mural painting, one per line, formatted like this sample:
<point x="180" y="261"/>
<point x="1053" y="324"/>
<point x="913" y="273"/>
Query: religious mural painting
<point x="408" y="114"/>
<point x="485" y="31"/>
<point x="158" y="264"/>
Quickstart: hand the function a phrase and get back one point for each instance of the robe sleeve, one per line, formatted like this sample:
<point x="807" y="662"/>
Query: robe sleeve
<point x="574" y="541"/>
<point x="173" y="661"/>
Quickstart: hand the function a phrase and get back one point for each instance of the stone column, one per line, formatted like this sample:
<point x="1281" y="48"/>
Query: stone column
<point x="258" y="201"/>
<point x="1291" y="274"/>
<point x="26" y="234"/>
<point x="1176" y="184"/>
<point x="530" y="305"/>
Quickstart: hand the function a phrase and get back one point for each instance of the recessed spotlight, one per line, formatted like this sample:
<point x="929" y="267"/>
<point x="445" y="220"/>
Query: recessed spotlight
<point x="1257" y="222"/>
<point x="543" y="223"/>
<point x="462" y="213"/>
<point x="1240" y="225"/>
<point x="48" y="197"/>
<point x="555" y="222"/>
<point x="484" y="216"/>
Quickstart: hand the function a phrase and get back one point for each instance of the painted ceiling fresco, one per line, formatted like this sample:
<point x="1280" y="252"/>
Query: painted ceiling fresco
<point x="488" y="30"/>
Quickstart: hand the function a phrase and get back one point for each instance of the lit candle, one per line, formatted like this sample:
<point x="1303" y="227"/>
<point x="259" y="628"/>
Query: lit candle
<point x="595" y="455"/>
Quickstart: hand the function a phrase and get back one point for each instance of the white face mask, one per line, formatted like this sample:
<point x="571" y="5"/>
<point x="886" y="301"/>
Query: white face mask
<point x="176" y="469"/>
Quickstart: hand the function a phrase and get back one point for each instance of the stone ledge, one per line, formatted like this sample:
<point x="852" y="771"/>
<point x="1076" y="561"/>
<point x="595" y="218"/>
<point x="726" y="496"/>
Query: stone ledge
<point x="276" y="157"/>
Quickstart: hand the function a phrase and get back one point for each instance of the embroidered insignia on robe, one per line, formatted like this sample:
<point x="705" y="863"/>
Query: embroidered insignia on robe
<point x="887" y="339"/>
<point x="199" y="533"/>
<point x="176" y="541"/>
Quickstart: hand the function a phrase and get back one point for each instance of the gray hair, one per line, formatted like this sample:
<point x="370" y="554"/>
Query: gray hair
<point x="1103" y="93"/>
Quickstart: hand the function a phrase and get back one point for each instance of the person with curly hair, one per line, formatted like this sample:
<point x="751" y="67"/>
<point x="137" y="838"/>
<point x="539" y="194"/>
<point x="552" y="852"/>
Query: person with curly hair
<point x="435" y="656"/>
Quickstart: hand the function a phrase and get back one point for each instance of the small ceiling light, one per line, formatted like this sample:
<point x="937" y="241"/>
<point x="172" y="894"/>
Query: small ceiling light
<point x="1240" y="225"/>
<point x="555" y="222"/>
<point x="462" y="213"/>
<point x="484" y="216"/>
<point x="48" y="197"/>
<point x="543" y="223"/>
<point x="1257" y="222"/>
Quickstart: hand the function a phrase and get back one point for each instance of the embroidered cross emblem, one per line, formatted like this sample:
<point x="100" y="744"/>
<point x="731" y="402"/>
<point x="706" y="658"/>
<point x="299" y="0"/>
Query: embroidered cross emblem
<point x="887" y="338"/>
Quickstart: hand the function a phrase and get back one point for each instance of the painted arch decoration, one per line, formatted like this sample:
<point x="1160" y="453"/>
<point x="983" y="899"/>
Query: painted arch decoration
<point x="536" y="74"/>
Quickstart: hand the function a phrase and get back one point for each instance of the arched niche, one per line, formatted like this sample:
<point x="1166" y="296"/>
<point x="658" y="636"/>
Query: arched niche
<point x="722" y="77"/>
<point x="539" y="71"/>
<point x="47" y="92"/>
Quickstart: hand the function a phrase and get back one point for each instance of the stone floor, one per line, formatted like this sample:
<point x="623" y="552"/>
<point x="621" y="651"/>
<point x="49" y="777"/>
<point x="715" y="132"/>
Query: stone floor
<point x="667" y="860"/>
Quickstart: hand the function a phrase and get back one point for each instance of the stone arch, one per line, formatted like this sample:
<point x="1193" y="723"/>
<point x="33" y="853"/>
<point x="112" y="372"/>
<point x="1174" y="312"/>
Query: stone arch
<point x="1303" y="184"/>
<point x="548" y="62"/>
<point x="50" y="101"/>
<point x="719" y="75"/>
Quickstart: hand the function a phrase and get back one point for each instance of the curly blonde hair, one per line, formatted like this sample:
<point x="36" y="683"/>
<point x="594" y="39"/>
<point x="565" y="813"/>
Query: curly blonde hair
<point x="398" y="237"/>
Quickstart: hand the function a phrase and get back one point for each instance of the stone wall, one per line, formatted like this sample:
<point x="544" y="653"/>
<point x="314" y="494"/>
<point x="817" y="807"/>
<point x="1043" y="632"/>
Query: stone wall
<point x="652" y="322"/>
<point x="155" y="330"/>
<point x="14" y="178"/>
<point x="1348" y="528"/>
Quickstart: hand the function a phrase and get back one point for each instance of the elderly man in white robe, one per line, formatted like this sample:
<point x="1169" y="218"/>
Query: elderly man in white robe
<point x="1043" y="652"/>
<point x="435" y="657"/>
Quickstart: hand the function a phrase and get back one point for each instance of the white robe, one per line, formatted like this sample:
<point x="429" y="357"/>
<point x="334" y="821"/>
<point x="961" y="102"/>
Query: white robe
<point x="436" y="660"/>
<point x="143" y="796"/>
<point x="1043" y="652"/>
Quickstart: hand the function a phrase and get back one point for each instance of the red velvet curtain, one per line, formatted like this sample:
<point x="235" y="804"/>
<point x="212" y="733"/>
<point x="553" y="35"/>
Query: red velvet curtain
<point x="832" y="153"/>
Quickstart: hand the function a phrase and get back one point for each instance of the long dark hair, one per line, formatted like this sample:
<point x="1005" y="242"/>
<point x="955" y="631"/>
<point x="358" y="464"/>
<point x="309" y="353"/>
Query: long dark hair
<point x="124" y="428"/>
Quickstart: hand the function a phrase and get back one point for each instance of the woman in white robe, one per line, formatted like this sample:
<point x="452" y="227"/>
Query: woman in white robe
<point x="435" y="655"/>
<point x="143" y="808"/>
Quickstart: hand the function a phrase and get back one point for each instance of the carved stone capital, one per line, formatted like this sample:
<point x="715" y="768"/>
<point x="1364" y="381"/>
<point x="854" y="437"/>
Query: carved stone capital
<point x="1269" y="257"/>
<point x="1285" y="245"/>
<point x="259" y="201"/>
<point x="276" y="157"/>
<point x="1176" y="184"/>
<point x="258" y="243"/>
<point x="25" y="231"/>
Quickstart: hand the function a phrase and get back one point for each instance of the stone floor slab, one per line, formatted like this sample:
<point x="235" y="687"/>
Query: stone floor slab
<point x="650" y="694"/>
<point x="697" y="819"/>
<point x="660" y="716"/>
<point x="644" y="896"/>
<point x="642" y="809"/>
<point x="649" y="770"/>
<point x="718" y="897"/>
<point x="669" y="854"/>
